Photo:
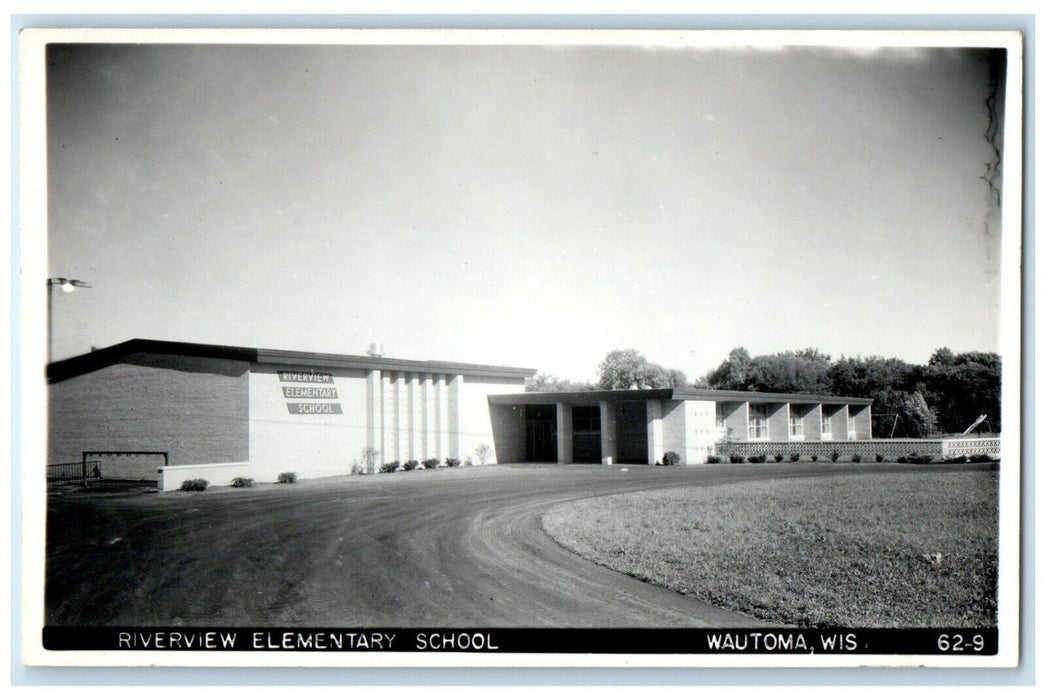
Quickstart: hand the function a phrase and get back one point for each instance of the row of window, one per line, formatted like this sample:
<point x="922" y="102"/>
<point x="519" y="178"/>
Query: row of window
<point x="758" y="428"/>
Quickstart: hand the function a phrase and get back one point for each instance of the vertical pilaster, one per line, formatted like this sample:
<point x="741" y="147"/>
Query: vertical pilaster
<point x="812" y="423"/>
<point x="388" y="418"/>
<point x="864" y="423"/>
<point x="655" y="432"/>
<point x="429" y="404"/>
<point x="453" y="417"/>
<point x="402" y="418"/>
<point x="564" y="434"/>
<point x="417" y="419"/>
<point x="777" y="422"/>
<point x="608" y="431"/>
<point x="374" y="409"/>
<point x="443" y="417"/>
<point x="839" y="422"/>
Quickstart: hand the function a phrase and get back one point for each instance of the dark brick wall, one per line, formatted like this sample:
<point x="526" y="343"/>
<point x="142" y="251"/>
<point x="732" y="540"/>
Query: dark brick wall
<point x="194" y="408"/>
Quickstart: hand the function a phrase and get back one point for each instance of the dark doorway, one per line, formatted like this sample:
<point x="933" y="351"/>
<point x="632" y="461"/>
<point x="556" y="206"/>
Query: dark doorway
<point x="631" y="432"/>
<point x="588" y="448"/>
<point x="541" y="433"/>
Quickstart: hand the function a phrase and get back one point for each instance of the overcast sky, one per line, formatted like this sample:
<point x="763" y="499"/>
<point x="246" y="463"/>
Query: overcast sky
<point x="530" y="206"/>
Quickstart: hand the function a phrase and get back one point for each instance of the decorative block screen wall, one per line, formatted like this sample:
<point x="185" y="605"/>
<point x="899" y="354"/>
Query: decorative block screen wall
<point x="968" y="447"/>
<point x="868" y="449"/>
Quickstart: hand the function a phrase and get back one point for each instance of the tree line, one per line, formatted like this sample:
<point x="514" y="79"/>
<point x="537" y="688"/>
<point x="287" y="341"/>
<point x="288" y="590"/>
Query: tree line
<point x="945" y="395"/>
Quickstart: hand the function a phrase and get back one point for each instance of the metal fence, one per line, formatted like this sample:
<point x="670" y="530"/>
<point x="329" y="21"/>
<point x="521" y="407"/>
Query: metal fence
<point x="69" y="472"/>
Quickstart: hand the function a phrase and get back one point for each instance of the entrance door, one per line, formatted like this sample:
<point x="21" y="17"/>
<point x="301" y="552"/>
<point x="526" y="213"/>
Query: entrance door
<point x="588" y="447"/>
<point x="541" y="433"/>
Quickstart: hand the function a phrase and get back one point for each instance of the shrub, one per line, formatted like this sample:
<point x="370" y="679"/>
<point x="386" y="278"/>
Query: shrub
<point x="287" y="478"/>
<point x="921" y="459"/>
<point x="835" y="455"/>
<point x="389" y="467"/>
<point x="814" y="458"/>
<point x="779" y="457"/>
<point x="879" y="458"/>
<point x="431" y="463"/>
<point x="410" y="465"/>
<point x="960" y="459"/>
<point x="757" y="459"/>
<point x="452" y="462"/>
<point x="856" y="458"/>
<point x="903" y="459"/>
<point x="468" y="462"/>
<point x="736" y="459"/>
<point x="242" y="482"/>
<point x="194" y="485"/>
<point x="794" y="457"/>
<point x="369" y="458"/>
<point x="482" y="453"/>
<point x="356" y="467"/>
<point x="671" y="458"/>
<point x="712" y="459"/>
<point x="981" y="458"/>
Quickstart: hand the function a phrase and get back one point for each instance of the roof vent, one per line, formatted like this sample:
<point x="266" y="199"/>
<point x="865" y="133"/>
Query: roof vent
<point x="375" y="350"/>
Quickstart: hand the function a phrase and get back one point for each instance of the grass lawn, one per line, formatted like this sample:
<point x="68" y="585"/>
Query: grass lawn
<point x="868" y="550"/>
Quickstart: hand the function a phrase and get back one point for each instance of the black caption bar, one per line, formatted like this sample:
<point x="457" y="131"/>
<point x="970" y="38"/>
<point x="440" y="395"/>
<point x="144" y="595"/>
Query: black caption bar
<point x="838" y="641"/>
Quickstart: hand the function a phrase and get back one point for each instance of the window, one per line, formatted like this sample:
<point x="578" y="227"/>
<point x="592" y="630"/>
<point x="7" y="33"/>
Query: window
<point x="826" y="422"/>
<point x="795" y="423"/>
<point x="720" y="415"/>
<point x="851" y="423"/>
<point x="757" y="429"/>
<point x="586" y="419"/>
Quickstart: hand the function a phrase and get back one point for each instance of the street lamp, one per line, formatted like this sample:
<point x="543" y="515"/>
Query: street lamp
<point x="66" y="285"/>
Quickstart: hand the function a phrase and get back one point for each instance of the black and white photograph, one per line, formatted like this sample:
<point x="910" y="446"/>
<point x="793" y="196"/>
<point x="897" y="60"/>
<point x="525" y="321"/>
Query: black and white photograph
<point x="536" y="348"/>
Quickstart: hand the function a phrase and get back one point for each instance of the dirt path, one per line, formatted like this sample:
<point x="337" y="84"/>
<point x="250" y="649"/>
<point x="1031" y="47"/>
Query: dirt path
<point x="451" y="548"/>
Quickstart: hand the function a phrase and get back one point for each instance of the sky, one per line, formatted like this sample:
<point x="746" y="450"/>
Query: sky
<point x="534" y="206"/>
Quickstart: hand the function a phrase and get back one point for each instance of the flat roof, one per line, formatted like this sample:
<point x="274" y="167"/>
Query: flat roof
<point x="678" y="394"/>
<point x="96" y="359"/>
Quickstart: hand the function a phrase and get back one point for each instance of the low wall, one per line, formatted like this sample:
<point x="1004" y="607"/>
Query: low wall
<point x="171" y="478"/>
<point x="867" y="449"/>
<point x="968" y="447"/>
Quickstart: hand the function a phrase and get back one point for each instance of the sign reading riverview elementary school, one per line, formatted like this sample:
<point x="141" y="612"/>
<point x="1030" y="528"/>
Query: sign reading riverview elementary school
<point x="310" y="392"/>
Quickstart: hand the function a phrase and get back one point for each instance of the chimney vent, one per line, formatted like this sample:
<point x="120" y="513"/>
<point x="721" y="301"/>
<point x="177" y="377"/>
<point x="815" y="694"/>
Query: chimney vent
<point x="375" y="350"/>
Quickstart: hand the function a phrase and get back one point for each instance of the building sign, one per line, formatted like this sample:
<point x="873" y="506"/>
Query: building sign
<point x="314" y="408"/>
<point x="310" y="392"/>
<point x="309" y="408"/>
<point x="307" y="377"/>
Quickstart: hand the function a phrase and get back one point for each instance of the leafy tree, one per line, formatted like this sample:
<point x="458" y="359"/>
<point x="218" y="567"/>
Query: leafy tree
<point x="960" y="387"/>
<point x="676" y="377"/>
<point x="795" y="371"/>
<point x="550" y="383"/>
<point x="735" y="373"/>
<point x="942" y="357"/>
<point x="901" y="414"/>
<point x="628" y="369"/>
<point x="855" y="376"/>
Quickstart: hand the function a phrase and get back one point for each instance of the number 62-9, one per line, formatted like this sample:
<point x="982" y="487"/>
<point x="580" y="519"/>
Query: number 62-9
<point x="956" y="642"/>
